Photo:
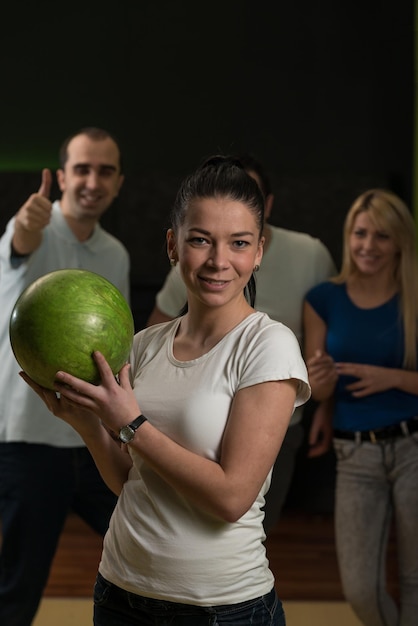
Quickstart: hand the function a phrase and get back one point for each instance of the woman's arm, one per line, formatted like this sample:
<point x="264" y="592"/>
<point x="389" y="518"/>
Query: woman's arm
<point x="373" y="379"/>
<point x="111" y="459"/>
<point x="255" y="430"/>
<point x="322" y="373"/>
<point x="320" y="432"/>
<point x="256" y="426"/>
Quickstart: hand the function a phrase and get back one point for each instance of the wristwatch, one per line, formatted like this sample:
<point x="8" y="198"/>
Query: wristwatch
<point x="127" y="433"/>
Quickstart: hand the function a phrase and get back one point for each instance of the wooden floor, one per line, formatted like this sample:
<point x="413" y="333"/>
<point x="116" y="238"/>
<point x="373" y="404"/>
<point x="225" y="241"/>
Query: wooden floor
<point x="78" y="612"/>
<point x="300" y="549"/>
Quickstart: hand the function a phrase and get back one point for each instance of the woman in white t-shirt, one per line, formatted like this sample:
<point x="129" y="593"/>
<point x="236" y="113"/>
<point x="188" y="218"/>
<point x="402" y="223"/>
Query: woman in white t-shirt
<point x="185" y="543"/>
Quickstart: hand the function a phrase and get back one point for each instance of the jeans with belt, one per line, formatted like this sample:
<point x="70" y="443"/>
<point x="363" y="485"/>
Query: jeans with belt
<point x="377" y="482"/>
<point x="114" y="606"/>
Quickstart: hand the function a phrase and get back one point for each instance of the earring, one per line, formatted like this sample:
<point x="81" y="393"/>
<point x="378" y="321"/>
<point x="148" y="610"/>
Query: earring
<point x="256" y="268"/>
<point x="173" y="262"/>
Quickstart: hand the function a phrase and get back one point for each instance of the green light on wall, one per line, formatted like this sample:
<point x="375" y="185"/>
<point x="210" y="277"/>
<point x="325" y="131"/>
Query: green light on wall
<point x="27" y="163"/>
<point x="28" y="154"/>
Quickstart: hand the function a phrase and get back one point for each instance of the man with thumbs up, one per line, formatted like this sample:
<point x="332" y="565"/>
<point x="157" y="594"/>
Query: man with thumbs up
<point x="45" y="469"/>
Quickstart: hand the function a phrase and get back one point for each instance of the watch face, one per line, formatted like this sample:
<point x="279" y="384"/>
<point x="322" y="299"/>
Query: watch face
<point x="126" y="434"/>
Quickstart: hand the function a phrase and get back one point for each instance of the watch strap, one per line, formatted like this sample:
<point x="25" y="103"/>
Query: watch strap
<point x="137" y="422"/>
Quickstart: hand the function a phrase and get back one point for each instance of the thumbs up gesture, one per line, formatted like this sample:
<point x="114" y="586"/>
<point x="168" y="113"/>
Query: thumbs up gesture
<point x="32" y="217"/>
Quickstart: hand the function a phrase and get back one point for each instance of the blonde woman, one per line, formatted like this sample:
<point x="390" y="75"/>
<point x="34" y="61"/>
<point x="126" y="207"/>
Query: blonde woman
<point x="361" y="349"/>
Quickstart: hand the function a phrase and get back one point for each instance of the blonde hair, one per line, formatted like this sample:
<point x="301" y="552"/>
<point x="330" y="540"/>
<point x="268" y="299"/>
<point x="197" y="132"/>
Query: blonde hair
<point x="389" y="213"/>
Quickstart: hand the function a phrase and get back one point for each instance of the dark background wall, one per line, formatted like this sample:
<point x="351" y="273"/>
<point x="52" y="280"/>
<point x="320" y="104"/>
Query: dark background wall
<point x="318" y="88"/>
<point x="322" y="92"/>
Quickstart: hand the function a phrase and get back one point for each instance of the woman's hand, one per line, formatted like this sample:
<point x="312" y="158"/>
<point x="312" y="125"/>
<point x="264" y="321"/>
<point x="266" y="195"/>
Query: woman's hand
<point x="112" y="401"/>
<point x="81" y="419"/>
<point x="323" y="375"/>
<point x="97" y="413"/>
<point x="371" y="378"/>
<point x="320" y="432"/>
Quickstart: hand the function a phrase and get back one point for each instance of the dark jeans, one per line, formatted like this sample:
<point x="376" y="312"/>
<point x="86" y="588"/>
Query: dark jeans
<point x="39" y="485"/>
<point x="115" y="607"/>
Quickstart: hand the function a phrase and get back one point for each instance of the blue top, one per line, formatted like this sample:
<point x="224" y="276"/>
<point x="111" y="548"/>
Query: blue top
<point x="370" y="336"/>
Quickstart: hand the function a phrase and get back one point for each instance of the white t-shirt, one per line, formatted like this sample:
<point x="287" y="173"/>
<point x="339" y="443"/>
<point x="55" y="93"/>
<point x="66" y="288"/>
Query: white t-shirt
<point x="159" y="544"/>
<point x="292" y="264"/>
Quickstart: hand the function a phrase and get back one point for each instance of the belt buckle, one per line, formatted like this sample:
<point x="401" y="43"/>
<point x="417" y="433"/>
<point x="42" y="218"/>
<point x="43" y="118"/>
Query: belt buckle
<point x="372" y="436"/>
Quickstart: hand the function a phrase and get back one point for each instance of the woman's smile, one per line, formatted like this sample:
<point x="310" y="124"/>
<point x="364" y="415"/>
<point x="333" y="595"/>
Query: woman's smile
<point x="216" y="258"/>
